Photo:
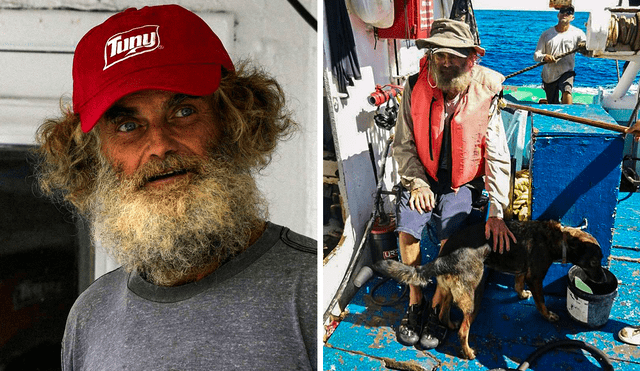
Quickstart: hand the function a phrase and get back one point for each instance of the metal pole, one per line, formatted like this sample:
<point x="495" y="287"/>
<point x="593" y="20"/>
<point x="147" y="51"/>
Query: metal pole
<point x="564" y="116"/>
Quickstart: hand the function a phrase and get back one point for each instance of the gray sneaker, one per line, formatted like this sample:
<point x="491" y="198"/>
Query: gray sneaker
<point x="408" y="332"/>
<point x="433" y="332"/>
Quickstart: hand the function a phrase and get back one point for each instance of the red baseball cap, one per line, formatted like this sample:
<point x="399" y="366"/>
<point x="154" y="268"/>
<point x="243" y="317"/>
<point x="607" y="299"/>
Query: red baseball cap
<point x="163" y="47"/>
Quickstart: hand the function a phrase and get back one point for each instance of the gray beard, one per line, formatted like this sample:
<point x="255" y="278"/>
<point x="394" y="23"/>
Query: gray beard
<point x="170" y="233"/>
<point x="455" y="85"/>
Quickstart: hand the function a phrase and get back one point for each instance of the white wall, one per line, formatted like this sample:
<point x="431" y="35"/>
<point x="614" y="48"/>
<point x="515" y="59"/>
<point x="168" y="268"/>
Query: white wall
<point x="271" y="33"/>
<point x="353" y="131"/>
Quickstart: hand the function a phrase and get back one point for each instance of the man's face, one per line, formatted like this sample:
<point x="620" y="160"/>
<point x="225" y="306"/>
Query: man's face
<point x="449" y="66"/>
<point x="151" y="124"/>
<point x="565" y="16"/>
<point x="452" y="74"/>
<point x="169" y="199"/>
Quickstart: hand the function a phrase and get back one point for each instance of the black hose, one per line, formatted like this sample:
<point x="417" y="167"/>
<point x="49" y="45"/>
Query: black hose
<point x="602" y="358"/>
<point x="390" y="302"/>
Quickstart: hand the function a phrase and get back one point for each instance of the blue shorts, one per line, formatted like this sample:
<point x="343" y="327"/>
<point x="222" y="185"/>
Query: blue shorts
<point x="450" y="212"/>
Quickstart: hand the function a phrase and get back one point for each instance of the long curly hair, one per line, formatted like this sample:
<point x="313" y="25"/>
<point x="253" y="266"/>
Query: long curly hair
<point x="249" y="104"/>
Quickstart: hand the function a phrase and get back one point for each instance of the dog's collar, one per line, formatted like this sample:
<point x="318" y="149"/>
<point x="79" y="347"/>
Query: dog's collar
<point x="585" y="224"/>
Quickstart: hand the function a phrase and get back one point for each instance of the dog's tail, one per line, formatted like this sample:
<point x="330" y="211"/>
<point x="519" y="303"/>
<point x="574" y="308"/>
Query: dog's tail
<point x="415" y="276"/>
<point x="452" y="263"/>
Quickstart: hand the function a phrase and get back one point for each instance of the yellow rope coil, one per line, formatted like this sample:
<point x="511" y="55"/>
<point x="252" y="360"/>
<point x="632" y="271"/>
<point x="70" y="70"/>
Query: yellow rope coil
<point x="624" y="31"/>
<point x="521" y="205"/>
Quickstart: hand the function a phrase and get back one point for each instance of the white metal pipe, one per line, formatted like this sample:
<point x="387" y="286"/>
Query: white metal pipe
<point x="626" y="80"/>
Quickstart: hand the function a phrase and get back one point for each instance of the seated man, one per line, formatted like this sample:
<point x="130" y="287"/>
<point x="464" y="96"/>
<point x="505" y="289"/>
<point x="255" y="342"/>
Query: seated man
<point x="447" y="138"/>
<point x="158" y="153"/>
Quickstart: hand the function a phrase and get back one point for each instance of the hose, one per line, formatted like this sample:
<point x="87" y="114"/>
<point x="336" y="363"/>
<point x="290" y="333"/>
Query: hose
<point x="365" y="236"/>
<point x="602" y="358"/>
<point x="391" y="302"/>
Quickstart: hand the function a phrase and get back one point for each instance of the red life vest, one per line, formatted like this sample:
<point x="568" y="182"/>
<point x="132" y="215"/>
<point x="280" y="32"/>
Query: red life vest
<point x="468" y="124"/>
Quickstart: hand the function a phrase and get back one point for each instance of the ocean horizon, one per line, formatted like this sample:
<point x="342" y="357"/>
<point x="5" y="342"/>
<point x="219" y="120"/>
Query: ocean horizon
<point x="510" y="38"/>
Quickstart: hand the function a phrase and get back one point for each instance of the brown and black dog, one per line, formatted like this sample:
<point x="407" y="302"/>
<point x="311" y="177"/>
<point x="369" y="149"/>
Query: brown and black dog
<point x="460" y="266"/>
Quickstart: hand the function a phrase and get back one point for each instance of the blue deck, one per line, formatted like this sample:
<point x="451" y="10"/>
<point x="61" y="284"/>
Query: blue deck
<point x="507" y="330"/>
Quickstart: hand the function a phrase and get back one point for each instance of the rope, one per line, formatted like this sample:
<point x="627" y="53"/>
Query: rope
<point x="624" y="31"/>
<point x="541" y="63"/>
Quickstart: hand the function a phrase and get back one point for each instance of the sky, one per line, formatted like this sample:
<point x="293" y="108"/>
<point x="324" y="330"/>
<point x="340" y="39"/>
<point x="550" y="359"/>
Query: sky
<point x="511" y="5"/>
<point x="580" y="5"/>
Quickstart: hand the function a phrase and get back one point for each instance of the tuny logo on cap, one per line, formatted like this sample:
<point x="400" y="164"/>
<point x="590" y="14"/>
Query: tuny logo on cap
<point x="130" y="43"/>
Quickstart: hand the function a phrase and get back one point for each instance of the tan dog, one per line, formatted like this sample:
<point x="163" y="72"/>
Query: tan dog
<point x="460" y="266"/>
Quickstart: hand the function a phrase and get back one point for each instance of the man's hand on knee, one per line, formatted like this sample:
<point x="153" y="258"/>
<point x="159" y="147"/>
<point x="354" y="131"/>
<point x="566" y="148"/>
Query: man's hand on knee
<point x="422" y="199"/>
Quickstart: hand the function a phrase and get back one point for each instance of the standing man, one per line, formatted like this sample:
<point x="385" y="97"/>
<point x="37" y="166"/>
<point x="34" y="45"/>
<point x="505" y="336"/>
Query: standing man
<point x="448" y="136"/>
<point x="159" y="153"/>
<point x="557" y="74"/>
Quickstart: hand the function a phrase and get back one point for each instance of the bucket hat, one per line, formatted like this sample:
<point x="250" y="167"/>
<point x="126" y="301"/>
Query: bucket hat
<point x="450" y="36"/>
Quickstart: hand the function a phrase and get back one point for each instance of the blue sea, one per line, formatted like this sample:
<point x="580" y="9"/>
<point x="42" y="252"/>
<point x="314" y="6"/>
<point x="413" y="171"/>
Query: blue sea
<point x="510" y="38"/>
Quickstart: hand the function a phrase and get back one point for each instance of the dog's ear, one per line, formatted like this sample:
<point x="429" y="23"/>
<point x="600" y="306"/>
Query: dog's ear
<point x="579" y="243"/>
<point x="578" y="234"/>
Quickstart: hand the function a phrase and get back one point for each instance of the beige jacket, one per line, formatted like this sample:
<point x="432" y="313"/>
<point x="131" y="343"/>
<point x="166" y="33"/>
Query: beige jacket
<point x="497" y="165"/>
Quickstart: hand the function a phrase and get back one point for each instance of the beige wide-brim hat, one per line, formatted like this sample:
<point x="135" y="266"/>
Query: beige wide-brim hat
<point x="450" y="36"/>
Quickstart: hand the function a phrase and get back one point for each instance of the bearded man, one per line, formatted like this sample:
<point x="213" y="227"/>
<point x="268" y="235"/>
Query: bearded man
<point x="158" y="153"/>
<point x="448" y="136"/>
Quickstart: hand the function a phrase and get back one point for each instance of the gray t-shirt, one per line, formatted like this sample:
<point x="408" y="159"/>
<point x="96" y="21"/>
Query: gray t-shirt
<point x="256" y="312"/>
<point x="555" y="43"/>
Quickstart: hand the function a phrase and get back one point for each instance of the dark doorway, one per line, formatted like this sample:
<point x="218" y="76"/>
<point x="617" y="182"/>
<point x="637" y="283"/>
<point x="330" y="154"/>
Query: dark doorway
<point x="39" y="247"/>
